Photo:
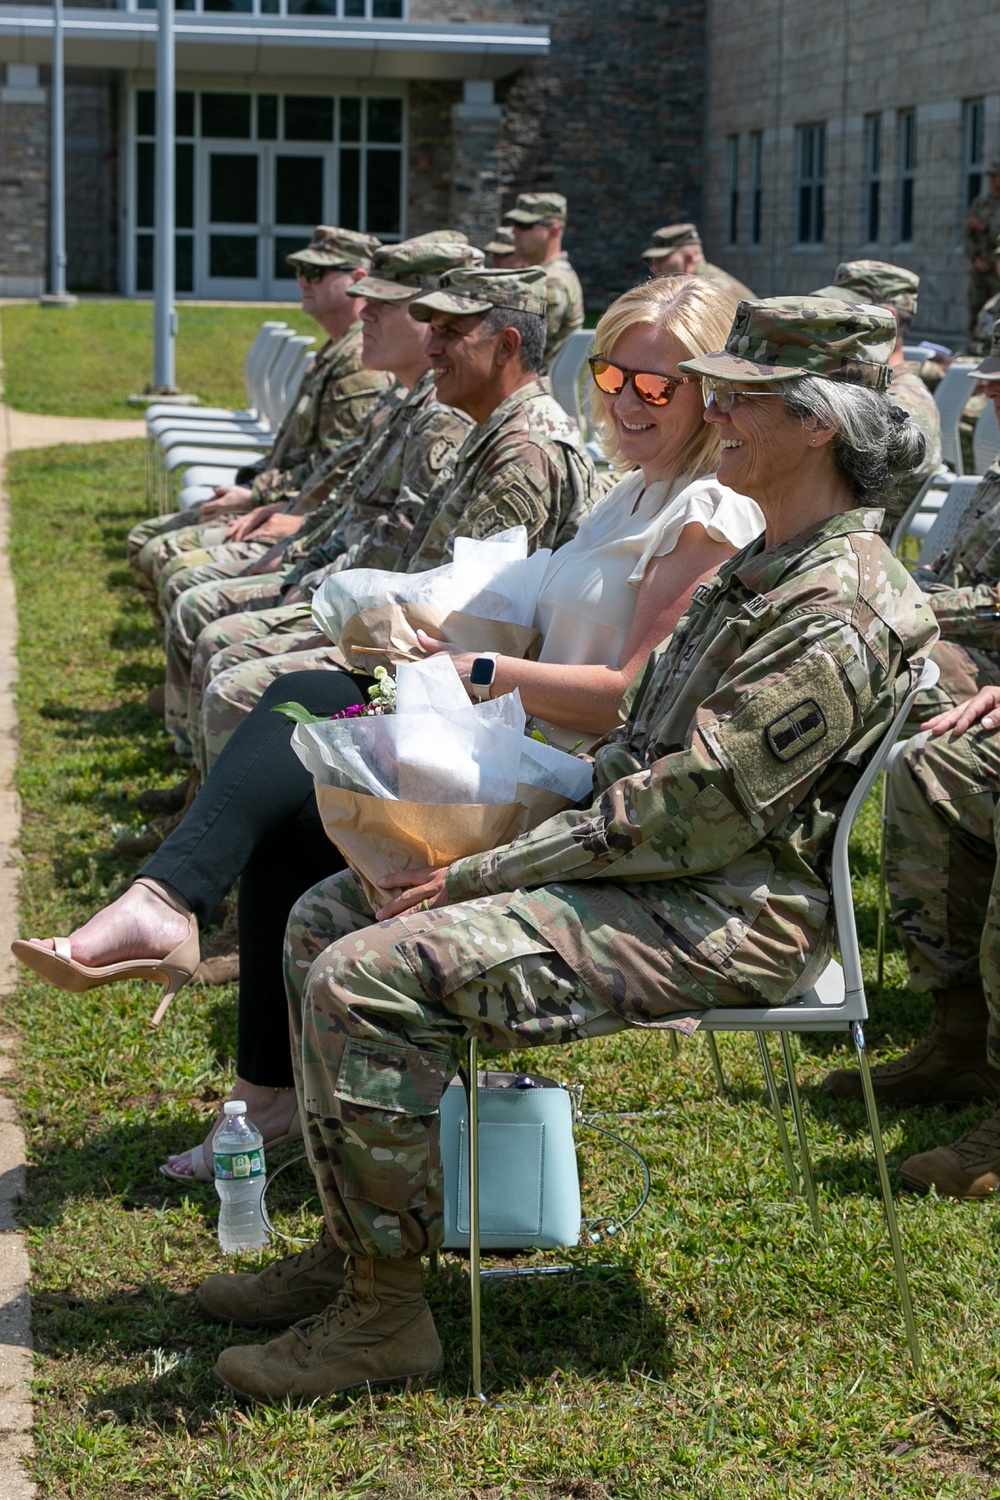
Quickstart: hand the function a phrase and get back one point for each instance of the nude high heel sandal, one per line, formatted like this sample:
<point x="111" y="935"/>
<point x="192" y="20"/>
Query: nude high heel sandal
<point x="58" y="966"/>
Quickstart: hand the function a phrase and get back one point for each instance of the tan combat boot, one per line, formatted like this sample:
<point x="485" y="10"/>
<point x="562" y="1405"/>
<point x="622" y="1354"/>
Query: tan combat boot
<point x="968" y="1169"/>
<point x="379" y="1330"/>
<point x="297" y="1287"/>
<point x="948" y="1067"/>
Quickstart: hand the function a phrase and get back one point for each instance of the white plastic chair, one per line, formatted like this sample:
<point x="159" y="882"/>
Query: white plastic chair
<point x="986" y="439"/>
<point x="567" y="372"/>
<point x="836" y="1003"/>
<point x="952" y="396"/>
<point x="948" y="519"/>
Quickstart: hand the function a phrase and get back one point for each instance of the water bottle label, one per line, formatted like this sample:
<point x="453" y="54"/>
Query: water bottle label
<point x="238" y="1166"/>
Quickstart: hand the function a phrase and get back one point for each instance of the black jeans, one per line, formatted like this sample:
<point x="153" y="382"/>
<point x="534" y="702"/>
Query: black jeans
<point x="256" y="819"/>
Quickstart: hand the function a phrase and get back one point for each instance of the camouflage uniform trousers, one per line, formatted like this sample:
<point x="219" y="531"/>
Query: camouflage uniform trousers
<point x="195" y="608"/>
<point x="205" y="565"/>
<point x="378" y="1025"/>
<point x="142" y="549"/>
<point x="941" y="864"/>
<point x="240" y="674"/>
<point x="378" y="1021"/>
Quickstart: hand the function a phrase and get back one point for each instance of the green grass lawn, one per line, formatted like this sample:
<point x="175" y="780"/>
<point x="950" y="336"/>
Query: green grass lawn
<point x="718" y="1350"/>
<point x="87" y="360"/>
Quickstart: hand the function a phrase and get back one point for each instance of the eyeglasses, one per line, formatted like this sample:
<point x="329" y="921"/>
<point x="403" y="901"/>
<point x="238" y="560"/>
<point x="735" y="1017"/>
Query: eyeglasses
<point x="313" y="274"/>
<point x="725" y="397"/>
<point x="654" y="390"/>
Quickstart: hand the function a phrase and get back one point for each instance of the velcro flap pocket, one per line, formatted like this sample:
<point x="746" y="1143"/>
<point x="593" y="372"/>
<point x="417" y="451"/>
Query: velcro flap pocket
<point x="384" y="1075"/>
<point x="786" y="730"/>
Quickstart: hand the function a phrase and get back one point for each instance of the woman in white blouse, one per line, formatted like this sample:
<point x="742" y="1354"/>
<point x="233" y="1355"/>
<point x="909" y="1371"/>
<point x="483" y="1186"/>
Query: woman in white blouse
<point x="609" y="598"/>
<point x="615" y="592"/>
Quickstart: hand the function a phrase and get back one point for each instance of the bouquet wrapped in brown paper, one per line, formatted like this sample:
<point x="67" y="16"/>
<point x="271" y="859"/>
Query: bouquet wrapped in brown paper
<point x="439" y="779"/>
<point x="483" y="601"/>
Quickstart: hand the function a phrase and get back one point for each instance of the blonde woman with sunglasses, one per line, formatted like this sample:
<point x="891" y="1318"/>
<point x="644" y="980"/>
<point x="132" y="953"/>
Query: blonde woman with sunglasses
<point x="614" y="593"/>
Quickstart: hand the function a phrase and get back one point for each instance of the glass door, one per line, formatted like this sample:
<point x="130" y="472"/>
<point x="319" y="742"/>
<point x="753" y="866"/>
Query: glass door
<point x="297" y="190"/>
<point x="231" y="250"/>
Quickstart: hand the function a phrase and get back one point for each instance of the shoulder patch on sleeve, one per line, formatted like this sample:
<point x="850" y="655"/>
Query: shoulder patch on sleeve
<point x="510" y="500"/>
<point x="787" y="730"/>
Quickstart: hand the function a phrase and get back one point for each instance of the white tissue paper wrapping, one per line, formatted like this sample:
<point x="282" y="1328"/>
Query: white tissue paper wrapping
<point x="439" y="747"/>
<point x="493" y="579"/>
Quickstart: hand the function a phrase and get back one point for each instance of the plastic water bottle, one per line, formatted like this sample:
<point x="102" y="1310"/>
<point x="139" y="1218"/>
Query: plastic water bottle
<point x="238" y="1154"/>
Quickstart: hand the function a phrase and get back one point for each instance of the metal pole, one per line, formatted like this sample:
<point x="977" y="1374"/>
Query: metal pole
<point x="57" y="214"/>
<point x="164" y="317"/>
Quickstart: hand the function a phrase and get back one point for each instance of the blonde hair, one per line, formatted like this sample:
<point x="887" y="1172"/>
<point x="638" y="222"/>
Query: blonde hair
<point x="699" y="313"/>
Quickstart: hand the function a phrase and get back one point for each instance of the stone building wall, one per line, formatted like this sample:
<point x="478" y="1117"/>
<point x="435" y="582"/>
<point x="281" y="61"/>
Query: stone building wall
<point x="851" y="61"/>
<point x="91" y="180"/>
<point x="613" y="119"/>
<point x="24" y="176"/>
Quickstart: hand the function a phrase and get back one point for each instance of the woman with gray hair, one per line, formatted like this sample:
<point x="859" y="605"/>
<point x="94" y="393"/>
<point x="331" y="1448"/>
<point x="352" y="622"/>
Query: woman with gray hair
<point x="696" y="877"/>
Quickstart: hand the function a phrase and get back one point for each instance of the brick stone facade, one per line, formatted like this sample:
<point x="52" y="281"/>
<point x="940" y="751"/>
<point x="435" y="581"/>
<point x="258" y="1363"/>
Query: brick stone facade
<point x="24" y="193"/>
<point x="92" y="146"/>
<point x="842" y="67"/>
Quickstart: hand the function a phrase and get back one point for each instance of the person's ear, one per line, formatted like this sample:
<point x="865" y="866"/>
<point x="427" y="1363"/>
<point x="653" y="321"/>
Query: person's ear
<point x="508" y="346"/>
<point x="819" y="433"/>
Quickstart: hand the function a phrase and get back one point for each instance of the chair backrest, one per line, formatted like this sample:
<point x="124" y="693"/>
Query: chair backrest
<point x="256" y="362"/>
<point x="948" y="519"/>
<point x="952" y="396"/>
<point x="567" y="372"/>
<point x="986" y="439"/>
<point x="301" y="359"/>
<point x="840" y="870"/>
<point x="902" y="529"/>
<point x="288" y="358"/>
<point x="270" y="376"/>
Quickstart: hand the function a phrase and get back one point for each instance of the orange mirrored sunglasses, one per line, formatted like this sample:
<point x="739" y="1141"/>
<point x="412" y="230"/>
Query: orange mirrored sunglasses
<point x="655" y="390"/>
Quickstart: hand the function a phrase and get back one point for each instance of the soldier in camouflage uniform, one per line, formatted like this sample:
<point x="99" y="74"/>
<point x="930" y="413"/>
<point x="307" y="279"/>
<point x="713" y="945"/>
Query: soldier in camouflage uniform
<point x="676" y="249"/>
<point x="538" y="222"/>
<point x="333" y="400"/>
<point x="410" y="449"/>
<point x="693" y="880"/>
<point x="895" y="288"/>
<point x="501" y="252"/>
<point x="988" y="313"/>
<point x="979" y="236"/>
<point x="940" y="874"/>
<point x="524" y="465"/>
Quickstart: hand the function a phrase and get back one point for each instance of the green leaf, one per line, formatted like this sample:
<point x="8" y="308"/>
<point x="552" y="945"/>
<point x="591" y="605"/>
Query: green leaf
<point x="298" y="714"/>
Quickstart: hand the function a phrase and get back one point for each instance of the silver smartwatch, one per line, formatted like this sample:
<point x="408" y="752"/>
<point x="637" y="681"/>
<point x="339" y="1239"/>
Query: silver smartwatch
<point x="482" y="674"/>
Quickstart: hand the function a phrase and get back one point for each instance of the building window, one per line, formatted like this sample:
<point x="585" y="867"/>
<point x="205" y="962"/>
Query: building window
<point x="756" y="184"/>
<point x="906" y="159"/>
<point x="733" y="160"/>
<point x="973" y="133"/>
<point x="256" y="173"/>
<point x="872" y="178"/>
<point x="811" y="183"/>
<point x="345" y="10"/>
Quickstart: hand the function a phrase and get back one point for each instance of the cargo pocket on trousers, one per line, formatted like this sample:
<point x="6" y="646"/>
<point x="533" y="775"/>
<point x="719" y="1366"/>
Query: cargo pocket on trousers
<point x="387" y="1092"/>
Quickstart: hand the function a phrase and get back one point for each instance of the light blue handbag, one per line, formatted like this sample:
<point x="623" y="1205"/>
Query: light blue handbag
<point x="529" y="1184"/>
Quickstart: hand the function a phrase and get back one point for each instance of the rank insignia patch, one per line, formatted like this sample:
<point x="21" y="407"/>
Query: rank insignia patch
<point x="796" y="730"/>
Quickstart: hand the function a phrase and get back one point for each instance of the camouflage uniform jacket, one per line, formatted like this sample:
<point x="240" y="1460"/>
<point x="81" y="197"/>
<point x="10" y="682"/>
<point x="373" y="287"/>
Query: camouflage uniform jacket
<point x="525" y="466"/>
<point x="909" y="392"/>
<point x="986" y="209"/>
<point x="718" y="799"/>
<point x="409" y="453"/>
<point x="333" y="400"/>
<point x="963" y="584"/>
<point x="988" y="314"/>
<point x="563" y="305"/>
<point x="728" y="283"/>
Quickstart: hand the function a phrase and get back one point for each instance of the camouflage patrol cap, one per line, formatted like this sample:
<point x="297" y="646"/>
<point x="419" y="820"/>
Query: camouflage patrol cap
<point x="414" y="266"/>
<point x="782" y="338"/>
<point x="989" y="368"/>
<point x="670" y="238"/>
<point x="502" y="242"/>
<point x="470" y="290"/>
<point x="336" y="247"/>
<point x="531" y="208"/>
<point x="874" y="281"/>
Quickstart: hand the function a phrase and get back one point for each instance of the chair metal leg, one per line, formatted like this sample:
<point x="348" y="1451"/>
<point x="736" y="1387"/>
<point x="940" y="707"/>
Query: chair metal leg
<point x="880" y="931"/>
<point x="713" y="1052"/>
<point x="779" y="1119"/>
<point x="808" y="1181"/>
<point x="475" y="1284"/>
<point x="902" y="1282"/>
<point x="675" y="1050"/>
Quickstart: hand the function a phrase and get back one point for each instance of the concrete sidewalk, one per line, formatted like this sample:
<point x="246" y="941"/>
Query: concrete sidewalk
<point x="21" y="429"/>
